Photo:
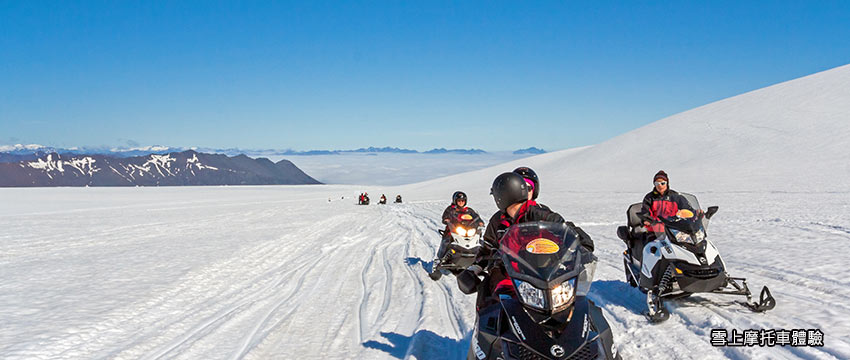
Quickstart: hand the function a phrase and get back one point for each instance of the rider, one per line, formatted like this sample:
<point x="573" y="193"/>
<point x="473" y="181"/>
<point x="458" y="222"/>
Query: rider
<point x="511" y="193"/>
<point x="383" y="199"/>
<point x="661" y="202"/>
<point x="452" y="213"/>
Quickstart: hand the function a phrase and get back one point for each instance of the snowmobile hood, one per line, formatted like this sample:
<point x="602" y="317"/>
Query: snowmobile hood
<point x="541" y="252"/>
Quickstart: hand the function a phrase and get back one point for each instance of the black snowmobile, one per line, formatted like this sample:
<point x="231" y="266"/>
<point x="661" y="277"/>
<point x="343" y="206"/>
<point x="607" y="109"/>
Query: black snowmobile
<point x="364" y="200"/>
<point x="679" y="260"/>
<point x="544" y="313"/>
<point x="398" y="199"/>
<point x="382" y="200"/>
<point x="463" y="248"/>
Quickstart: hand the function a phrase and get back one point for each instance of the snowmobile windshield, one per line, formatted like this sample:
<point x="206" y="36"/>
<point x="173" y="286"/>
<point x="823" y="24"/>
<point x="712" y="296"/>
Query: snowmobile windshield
<point x="466" y="220"/>
<point x="540" y="251"/>
<point x="684" y="221"/>
<point x="687" y="221"/>
<point x="694" y="203"/>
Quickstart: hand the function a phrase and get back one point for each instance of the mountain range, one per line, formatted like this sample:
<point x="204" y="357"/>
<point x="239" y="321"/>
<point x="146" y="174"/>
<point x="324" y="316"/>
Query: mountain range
<point x="171" y="169"/>
<point x="34" y="149"/>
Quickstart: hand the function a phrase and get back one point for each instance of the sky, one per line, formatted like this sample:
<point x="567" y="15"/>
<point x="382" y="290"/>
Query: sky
<point x="494" y="75"/>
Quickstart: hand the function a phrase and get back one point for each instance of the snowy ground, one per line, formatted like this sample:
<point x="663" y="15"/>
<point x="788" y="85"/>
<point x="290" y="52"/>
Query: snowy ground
<point x="279" y="272"/>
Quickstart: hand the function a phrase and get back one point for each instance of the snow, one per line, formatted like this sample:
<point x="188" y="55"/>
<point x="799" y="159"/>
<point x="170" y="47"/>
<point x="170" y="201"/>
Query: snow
<point x="195" y="162"/>
<point x="280" y="272"/>
<point x="153" y="148"/>
<point x="17" y="147"/>
<point x="268" y="272"/>
<point x="160" y="163"/>
<point x="84" y="165"/>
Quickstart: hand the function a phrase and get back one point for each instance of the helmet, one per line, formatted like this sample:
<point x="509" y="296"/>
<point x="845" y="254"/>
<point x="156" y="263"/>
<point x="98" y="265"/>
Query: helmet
<point x="508" y="189"/>
<point x="458" y="195"/>
<point x="529" y="174"/>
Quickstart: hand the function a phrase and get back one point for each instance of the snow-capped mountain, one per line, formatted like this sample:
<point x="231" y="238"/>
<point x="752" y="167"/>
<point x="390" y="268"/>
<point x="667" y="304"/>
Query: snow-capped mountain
<point x="183" y="168"/>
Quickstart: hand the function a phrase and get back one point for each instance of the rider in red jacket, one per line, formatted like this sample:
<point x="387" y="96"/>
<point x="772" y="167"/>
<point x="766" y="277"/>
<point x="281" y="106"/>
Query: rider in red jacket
<point x="661" y="202"/>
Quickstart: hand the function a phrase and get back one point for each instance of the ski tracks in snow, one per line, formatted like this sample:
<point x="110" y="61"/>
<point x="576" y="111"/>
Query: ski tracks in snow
<point x="237" y="281"/>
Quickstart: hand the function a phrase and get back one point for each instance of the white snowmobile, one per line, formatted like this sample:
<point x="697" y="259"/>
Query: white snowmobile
<point x="679" y="261"/>
<point x="461" y="252"/>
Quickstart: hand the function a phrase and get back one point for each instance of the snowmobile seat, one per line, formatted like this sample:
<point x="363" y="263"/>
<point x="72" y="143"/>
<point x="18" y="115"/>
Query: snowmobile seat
<point x="638" y="236"/>
<point x="636" y="228"/>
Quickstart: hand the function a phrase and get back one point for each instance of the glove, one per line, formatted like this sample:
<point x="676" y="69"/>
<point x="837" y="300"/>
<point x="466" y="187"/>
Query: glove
<point x="468" y="280"/>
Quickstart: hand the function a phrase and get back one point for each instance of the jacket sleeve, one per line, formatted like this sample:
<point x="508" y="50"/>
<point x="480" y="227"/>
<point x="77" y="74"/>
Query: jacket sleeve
<point x="491" y="234"/>
<point x="646" y="208"/>
<point x="540" y="212"/>
<point x="447" y="214"/>
<point x="489" y="242"/>
<point x="683" y="203"/>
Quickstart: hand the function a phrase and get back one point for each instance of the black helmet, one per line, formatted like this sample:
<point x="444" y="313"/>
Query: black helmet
<point x="508" y="189"/>
<point x="458" y="195"/>
<point x="529" y="174"/>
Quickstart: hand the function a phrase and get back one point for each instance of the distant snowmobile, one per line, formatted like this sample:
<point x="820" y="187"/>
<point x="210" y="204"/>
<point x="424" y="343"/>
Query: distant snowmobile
<point x="680" y="261"/>
<point x="364" y="199"/>
<point x="398" y="199"/>
<point x="544" y="313"/>
<point x="461" y="252"/>
<point x="383" y="200"/>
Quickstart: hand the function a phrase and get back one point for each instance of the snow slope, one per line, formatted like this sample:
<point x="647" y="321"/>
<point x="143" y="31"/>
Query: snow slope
<point x="793" y="136"/>
<point x="281" y="272"/>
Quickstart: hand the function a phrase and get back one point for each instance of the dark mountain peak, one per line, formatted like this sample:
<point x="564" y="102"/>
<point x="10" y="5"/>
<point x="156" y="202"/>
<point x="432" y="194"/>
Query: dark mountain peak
<point x="175" y="168"/>
<point x="455" y="151"/>
<point x="531" y="150"/>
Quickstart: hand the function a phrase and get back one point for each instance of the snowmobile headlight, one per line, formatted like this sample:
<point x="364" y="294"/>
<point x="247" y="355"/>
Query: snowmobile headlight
<point x="684" y="238"/>
<point x="460" y="231"/>
<point x="470" y="232"/>
<point x="699" y="236"/>
<point x="530" y="295"/>
<point x="563" y="293"/>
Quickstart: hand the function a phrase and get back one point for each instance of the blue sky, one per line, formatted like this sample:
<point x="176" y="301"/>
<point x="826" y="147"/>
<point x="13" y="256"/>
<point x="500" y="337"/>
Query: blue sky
<point x="342" y="74"/>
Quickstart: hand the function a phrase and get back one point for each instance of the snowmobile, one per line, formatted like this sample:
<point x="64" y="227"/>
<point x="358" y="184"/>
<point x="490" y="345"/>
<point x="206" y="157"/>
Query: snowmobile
<point x="462" y="249"/>
<point x="544" y="313"/>
<point x="679" y="261"/>
<point x="398" y="199"/>
<point x="382" y="200"/>
<point x="364" y="200"/>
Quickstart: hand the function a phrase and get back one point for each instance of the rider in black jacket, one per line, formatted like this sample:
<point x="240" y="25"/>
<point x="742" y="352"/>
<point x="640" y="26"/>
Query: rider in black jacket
<point x="513" y="198"/>
<point x="452" y="213"/>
